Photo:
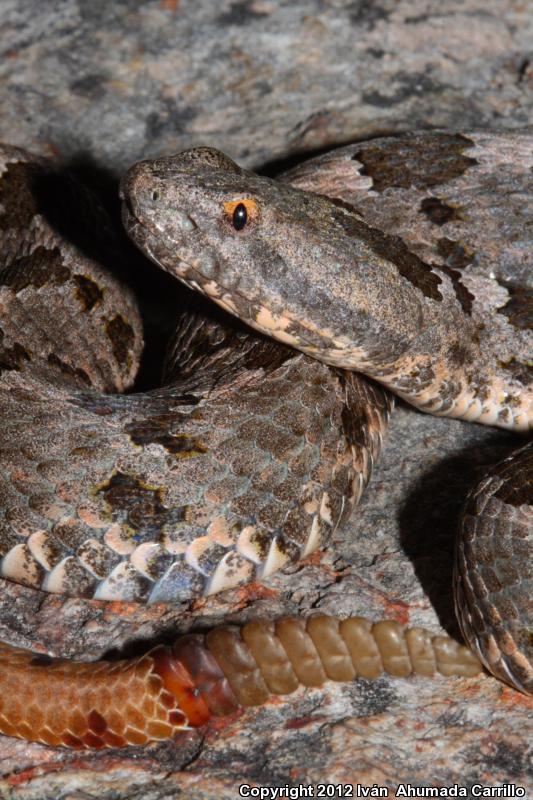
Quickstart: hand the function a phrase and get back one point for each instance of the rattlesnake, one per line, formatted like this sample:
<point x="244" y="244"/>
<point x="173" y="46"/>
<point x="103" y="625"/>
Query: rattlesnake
<point x="258" y="453"/>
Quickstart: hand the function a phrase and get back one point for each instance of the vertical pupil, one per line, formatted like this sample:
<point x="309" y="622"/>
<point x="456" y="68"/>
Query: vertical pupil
<point x="240" y="217"/>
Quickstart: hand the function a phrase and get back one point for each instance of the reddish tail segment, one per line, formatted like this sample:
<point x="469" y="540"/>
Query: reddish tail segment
<point x="132" y="702"/>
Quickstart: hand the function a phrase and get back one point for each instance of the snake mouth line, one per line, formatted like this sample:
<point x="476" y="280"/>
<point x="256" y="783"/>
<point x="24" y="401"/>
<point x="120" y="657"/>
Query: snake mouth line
<point x="199" y="281"/>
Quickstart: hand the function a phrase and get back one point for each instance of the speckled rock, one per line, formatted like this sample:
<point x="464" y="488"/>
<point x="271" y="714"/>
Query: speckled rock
<point x="259" y="79"/>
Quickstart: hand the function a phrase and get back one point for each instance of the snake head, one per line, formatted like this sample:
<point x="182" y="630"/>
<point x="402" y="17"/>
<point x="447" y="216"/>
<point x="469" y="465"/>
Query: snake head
<point x="297" y="266"/>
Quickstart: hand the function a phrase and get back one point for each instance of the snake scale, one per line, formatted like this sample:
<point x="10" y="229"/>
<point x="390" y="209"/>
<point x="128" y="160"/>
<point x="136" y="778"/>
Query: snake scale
<point x="406" y="260"/>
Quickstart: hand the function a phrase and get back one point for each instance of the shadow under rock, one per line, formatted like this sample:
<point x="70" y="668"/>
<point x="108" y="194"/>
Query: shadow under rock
<point x="429" y="518"/>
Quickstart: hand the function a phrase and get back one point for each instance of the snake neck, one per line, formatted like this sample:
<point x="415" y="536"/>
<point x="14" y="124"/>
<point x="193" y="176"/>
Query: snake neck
<point x="473" y="392"/>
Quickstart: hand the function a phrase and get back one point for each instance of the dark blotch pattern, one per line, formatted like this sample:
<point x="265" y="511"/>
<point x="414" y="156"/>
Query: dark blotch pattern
<point x="455" y="254"/>
<point x="519" y="308"/>
<point x="122" y="337"/>
<point x="43" y="267"/>
<point x="156" y="430"/>
<point x="393" y="249"/>
<point x="342" y="204"/>
<point x="88" y="292"/>
<point x="401" y="162"/>
<point x="139" y="506"/>
<point x="437" y="211"/>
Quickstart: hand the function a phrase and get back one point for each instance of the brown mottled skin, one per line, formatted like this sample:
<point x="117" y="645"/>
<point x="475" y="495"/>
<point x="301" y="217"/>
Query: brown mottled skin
<point x="413" y="269"/>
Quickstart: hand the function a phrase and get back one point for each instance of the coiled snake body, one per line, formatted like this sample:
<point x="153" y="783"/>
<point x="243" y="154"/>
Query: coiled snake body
<point x="250" y="454"/>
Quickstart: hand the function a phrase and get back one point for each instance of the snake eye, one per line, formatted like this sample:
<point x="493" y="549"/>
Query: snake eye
<point x="241" y="213"/>
<point x="240" y="217"/>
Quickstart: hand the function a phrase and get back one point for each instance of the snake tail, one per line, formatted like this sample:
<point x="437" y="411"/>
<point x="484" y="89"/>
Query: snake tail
<point x="179" y="687"/>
